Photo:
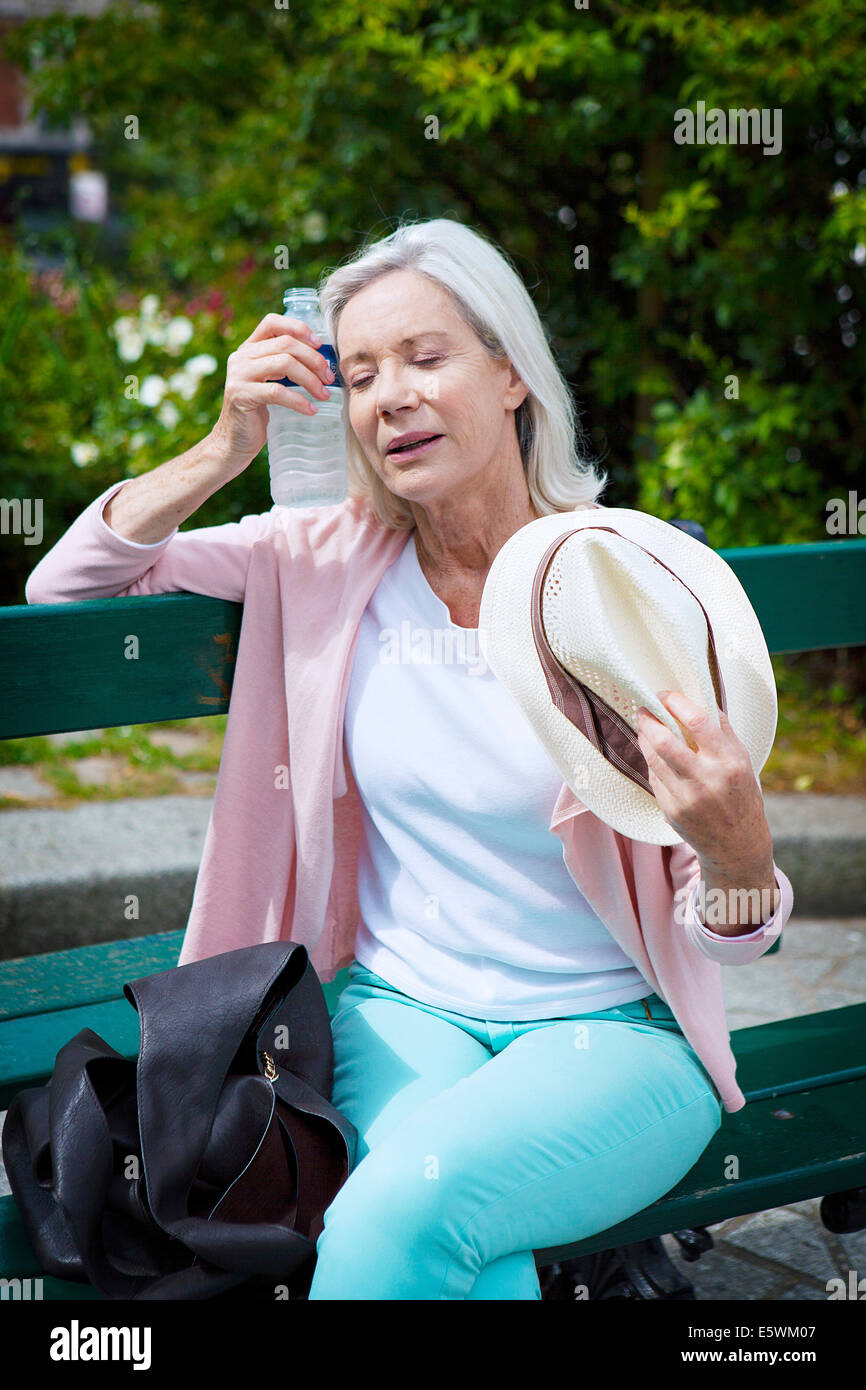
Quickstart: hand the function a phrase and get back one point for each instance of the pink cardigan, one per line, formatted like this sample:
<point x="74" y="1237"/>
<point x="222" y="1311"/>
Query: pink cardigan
<point x="281" y="851"/>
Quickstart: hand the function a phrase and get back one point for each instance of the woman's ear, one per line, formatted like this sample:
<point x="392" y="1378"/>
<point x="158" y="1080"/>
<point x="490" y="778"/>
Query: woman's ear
<point x="516" y="390"/>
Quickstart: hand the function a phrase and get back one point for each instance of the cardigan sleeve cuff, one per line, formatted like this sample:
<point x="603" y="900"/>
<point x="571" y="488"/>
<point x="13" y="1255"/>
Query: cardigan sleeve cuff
<point x="718" y="936"/>
<point x="745" y="946"/>
<point x="105" y="529"/>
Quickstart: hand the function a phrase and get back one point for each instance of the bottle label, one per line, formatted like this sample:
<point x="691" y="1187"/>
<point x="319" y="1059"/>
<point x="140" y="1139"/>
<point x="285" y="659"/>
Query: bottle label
<point x="326" y="351"/>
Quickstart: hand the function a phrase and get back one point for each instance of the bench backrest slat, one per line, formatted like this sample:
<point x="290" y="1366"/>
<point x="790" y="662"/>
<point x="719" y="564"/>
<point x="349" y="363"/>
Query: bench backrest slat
<point x="73" y="665"/>
<point x="808" y="596"/>
<point x="69" y="666"/>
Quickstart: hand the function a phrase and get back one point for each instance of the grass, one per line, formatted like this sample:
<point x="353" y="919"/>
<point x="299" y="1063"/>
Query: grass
<point x="820" y="746"/>
<point x="820" y="743"/>
<point x="144" y="768"/>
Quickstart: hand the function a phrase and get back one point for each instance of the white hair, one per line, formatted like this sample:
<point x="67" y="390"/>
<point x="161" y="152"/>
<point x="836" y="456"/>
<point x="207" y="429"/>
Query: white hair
<point x="491" y="298"/>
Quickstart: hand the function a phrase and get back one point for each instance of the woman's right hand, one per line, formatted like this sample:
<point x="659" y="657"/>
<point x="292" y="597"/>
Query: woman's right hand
<point x="279" y="346"/>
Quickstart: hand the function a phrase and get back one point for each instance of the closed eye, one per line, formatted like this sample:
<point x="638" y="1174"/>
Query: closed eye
<point x="361" y="382"/>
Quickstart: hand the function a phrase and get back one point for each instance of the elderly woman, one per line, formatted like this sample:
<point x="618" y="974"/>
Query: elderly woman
<point x="518" y="1076"/>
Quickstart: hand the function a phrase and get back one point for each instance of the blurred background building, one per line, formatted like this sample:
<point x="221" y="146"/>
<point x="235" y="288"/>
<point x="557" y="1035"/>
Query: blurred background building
<point x="47" y="174"/>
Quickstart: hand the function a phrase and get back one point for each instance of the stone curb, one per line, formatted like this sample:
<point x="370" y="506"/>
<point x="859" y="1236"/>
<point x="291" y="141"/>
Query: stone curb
<point x="67" y="878"/>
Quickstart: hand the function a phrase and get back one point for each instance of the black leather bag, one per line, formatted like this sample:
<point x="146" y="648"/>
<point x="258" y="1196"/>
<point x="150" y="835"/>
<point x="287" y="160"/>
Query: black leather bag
<point x="208" y="1162"/>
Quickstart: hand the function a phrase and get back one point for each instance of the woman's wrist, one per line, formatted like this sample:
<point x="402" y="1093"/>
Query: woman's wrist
<point x="148" y="508"/>
<point x="738" y="899"/>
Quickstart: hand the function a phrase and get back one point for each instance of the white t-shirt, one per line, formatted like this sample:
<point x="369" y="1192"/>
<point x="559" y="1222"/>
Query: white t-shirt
<point x="465" y="899"/>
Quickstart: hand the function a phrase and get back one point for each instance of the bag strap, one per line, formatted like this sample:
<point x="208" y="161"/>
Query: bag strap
<point x="182" y="1075"/>
<point x="65" y="1124"/>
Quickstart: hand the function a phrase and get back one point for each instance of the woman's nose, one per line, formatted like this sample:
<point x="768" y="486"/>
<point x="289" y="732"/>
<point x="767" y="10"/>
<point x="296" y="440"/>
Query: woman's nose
<point x="394" y="389"/>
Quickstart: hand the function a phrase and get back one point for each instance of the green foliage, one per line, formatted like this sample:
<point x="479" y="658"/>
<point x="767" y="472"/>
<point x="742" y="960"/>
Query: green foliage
<point x="820" y="741"/>
<point x="308" y="128"/>
<point x="98" y="383"/>
<point x="734" y="462"/>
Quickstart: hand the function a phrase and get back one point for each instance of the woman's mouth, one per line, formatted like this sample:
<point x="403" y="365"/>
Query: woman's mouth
<point x="414" y="448"/>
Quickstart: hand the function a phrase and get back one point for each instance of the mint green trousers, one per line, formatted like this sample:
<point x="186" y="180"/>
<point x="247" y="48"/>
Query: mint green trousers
<point x="481" y="1141"/>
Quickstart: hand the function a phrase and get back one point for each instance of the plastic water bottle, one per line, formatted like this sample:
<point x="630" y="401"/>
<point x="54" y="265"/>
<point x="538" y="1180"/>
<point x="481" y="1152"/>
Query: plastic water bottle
<point x="307" y="453"/>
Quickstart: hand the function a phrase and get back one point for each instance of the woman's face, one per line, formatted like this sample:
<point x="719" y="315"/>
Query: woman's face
<point x="413" y="366"/>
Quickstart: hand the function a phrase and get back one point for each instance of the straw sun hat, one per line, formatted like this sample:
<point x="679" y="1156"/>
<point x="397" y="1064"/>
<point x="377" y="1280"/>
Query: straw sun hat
<point x="585" y="614"/>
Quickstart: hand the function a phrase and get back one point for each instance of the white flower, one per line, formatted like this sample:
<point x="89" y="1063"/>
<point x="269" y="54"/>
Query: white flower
<point x="130" y="346"/>
<point x="184" y="383"/>
<point x="137" y="441"/>
<point x="168" y="414"/>
<point x="149" y="306"/>
<point x="315" y="227"/>
<point x="202" y="365"/>
<point x="82" y="454"/>
<point x="153" y="388"/>
<point x="123" y="326"/>
<point x="178" y="334"/>
<point x="154" y="330"/>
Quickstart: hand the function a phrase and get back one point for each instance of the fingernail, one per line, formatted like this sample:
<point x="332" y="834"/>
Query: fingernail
<point x="315" y="340"/>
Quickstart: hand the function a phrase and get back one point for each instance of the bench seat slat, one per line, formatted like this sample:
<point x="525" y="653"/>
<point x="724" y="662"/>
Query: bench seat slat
<point x="821" y="1149"/>
<point x="773" y="1059"/>
<point x="29" y="1045"/>
<point x="82" y="975"/>
<point x="92" y="974"/>
<point x="791" y="1054"/>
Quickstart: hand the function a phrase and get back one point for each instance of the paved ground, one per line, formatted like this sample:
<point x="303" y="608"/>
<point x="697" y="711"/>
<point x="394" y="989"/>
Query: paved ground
<point x="786" y="1253"/>
<point x="783" y="1254"/>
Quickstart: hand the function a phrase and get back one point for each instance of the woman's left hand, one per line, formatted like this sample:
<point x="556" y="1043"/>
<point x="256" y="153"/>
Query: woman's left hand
<point x="707" y="791"/>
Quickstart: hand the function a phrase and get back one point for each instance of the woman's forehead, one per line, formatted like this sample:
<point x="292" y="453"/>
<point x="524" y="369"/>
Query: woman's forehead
<point x="384" y="311"/>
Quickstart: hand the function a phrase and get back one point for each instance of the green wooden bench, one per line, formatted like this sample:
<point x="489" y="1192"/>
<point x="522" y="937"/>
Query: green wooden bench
<point x="802" y="1133"/>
